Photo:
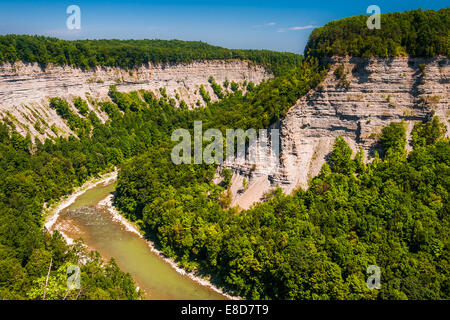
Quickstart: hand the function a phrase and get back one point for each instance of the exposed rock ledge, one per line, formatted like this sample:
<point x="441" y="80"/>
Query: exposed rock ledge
<point x="378" y="92"/>
<point x="25" y="88"/>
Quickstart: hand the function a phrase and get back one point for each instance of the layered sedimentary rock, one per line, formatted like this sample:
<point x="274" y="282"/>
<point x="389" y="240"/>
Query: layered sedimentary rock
<point x="25" y="88"/>
<point x="356" y="102"/>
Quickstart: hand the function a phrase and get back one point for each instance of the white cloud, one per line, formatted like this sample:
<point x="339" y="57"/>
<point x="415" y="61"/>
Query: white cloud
<point x="309" y="26"/>
<point x="269" y="24"/>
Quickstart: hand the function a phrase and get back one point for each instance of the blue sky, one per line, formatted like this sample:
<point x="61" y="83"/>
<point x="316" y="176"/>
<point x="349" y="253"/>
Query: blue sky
<point x="256" y="24"/>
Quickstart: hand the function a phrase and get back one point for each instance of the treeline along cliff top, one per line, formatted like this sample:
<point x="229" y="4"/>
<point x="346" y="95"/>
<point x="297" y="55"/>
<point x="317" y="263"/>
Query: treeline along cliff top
<point x="415" y="33"/>
<point x="130" y="53"/>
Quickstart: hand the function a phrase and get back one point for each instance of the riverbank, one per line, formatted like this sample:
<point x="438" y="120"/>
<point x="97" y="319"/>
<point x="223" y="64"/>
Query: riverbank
<point x="52" y="214"/>
<point x="106" y="205"/>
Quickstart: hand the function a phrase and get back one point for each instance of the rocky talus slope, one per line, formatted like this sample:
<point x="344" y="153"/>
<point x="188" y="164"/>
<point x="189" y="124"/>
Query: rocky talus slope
<point x="26" y="88"/>
<point x="356" y="100"/>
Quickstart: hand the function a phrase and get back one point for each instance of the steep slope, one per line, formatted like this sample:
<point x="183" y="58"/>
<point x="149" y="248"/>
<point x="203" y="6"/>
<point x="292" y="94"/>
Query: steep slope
<point x="358" y="97"/>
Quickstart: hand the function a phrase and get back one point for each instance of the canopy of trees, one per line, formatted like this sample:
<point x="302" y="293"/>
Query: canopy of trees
<point x="29" y="176"/>
<point x="130" y="53"/>
<point x="315" y="244"/>
<point x="414" y="33"/>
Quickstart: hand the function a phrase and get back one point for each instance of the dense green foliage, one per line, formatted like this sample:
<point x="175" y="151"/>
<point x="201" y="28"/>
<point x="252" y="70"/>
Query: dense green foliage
<point x="34" y="174"/>
<point x="262" y="105"/>
<point x="315" y="244"/>
<point x="27" y="180"/>
<point x="79" y="125"/>
<point x="81" y="105"/>
<point x="131" y="53"/>
<point x="414" y="33"/>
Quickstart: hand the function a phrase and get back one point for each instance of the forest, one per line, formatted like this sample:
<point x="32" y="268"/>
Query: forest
<point x="316" y="243"/>
<point x="33" y="172"/>
<point x="129" y="54"/>
<point x="414" y="33"/>
<point x="31" y="175"/>
<point x="313" y="244"/>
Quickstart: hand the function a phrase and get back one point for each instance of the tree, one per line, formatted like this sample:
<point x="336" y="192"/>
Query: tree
<point x="393" y="140"/>
<point x="227" y="174"/>
<point x="428" y="133"/>
<point x="341" y="157"/>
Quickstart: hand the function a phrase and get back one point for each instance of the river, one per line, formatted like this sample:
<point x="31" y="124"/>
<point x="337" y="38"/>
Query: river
<point x="100" y="231"/>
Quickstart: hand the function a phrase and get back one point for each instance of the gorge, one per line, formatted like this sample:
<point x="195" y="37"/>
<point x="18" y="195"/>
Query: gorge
<point x="356" y="104"/>
<point x="362" y="178"/>
<point x="182" y="81"/>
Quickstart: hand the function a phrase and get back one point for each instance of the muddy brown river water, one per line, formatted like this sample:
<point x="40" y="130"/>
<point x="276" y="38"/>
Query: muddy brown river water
<point x="100" y="231"/>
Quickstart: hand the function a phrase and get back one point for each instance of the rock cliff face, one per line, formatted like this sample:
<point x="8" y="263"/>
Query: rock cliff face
<point x="356" y="100"/>
<point x="25" y="88"/>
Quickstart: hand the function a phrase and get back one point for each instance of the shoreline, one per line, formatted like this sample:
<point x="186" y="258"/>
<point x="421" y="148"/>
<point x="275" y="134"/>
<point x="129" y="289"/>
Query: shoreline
<point x="106" y="203"/>
<point x="129" y="226"/>
<point x="52" y="214"/>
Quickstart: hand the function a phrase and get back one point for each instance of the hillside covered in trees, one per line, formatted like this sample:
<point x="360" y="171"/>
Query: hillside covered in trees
<point x="314" y="244"/>
<point x="317" y="243"/>
<point x="31" y="175"/>
<point x="414" y="33"/>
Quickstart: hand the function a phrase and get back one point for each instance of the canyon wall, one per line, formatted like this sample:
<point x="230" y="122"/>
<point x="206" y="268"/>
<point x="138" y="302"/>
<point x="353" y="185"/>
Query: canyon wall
<point x="25" y="88"/>
<point x="355" y="102"/>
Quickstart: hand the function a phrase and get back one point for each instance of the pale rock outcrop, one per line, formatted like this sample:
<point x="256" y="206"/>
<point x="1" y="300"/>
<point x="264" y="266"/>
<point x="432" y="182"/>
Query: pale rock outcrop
<point x="25" y="88"/>
<point x="373" y="93"/>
